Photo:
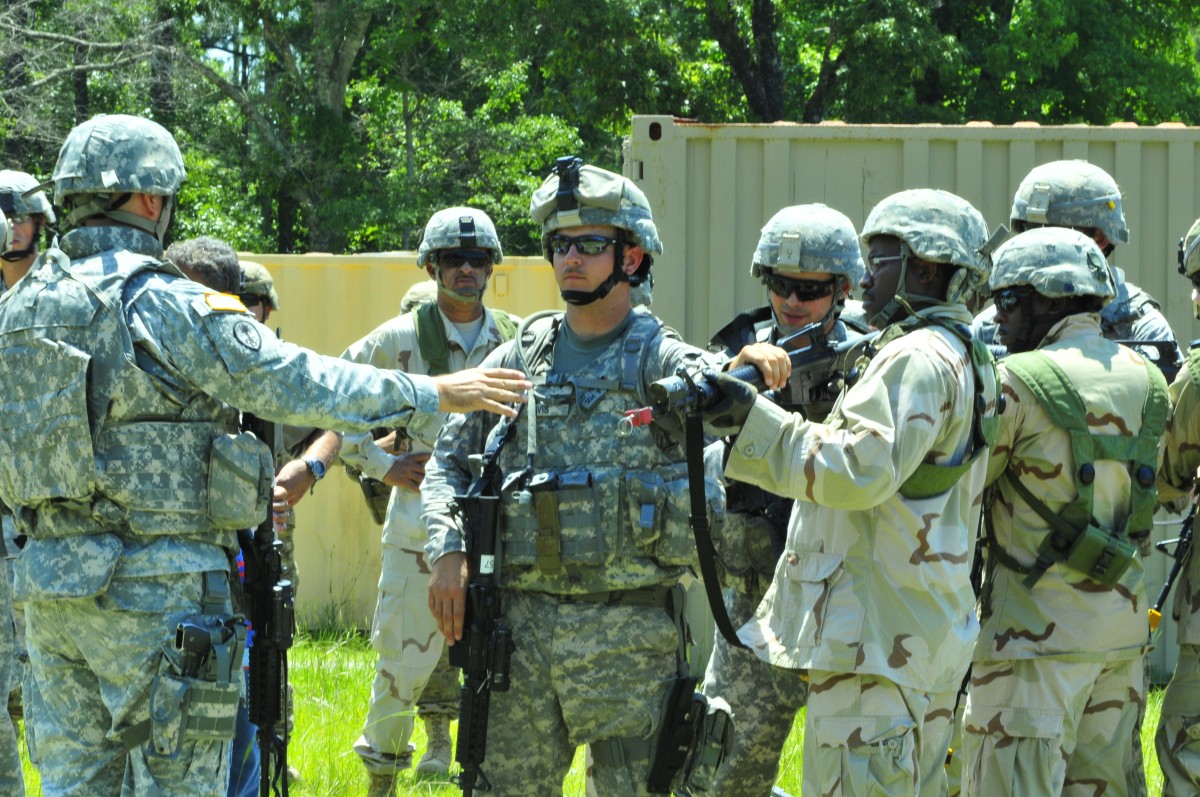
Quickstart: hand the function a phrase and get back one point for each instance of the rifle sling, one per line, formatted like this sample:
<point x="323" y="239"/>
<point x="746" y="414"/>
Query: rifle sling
<point x="698" y="520"/>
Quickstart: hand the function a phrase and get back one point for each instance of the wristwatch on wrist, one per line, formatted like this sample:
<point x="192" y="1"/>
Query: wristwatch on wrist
<point x="316" y="467"/>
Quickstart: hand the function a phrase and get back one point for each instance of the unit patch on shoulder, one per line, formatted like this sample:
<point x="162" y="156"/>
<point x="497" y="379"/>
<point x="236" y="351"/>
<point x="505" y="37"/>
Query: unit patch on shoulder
<point x="225" y="303"/>
<point x="247" y="335"/>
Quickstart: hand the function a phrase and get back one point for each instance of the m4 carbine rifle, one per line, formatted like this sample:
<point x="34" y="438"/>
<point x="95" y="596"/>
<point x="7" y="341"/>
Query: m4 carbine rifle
<point x="1183" y="544"/>
<point x="486" y="648"/>
<point x="271" y="608"/>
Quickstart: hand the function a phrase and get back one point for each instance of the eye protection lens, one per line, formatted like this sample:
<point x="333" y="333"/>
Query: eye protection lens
<point x="1008" y="299"/>
<point x="457" y="258"/>
<point x="804" y="290"/>
<point x="584" y="244"/>
<point x="876" y="263"/>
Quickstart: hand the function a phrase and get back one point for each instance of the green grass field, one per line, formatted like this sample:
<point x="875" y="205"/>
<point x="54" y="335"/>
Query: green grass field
<point x="332" y="675"/>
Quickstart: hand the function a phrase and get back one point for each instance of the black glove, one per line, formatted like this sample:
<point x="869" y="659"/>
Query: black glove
<point x="730" y="411"/>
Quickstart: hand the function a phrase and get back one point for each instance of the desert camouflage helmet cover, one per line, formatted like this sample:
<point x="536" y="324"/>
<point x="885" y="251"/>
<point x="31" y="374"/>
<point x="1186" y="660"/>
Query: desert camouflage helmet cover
<point x="19" y="195"/>
<point x="809" y="238"/>
<point x="459" y="228"/>
<point x="1055" y="261"/>
<point x="1189" y="250"/>
<point x="118" y="154"/>
<point x="1072" y="193"/>
<point x="257" y="280"/>
<point x="604" y="199"/>
<point x="937" y="226"/>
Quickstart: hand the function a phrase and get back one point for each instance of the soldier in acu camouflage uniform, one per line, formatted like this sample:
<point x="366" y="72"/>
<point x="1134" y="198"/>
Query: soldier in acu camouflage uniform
<point x="872" y="595"/>
<point x="1177" y="740"/>
<point x="808" y="257"/>
<point x="588" y="590"/>
<point x="11" y="780"/>
<point x="29" y="215"/>
<point x="1080" y="195"/>
<point x="1058" y="676"/>
<point x="123" y="464"/>
<point x="455" y="331"/>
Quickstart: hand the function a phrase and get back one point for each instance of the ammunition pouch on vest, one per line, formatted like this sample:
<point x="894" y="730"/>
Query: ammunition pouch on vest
<point x="561" y="513"/>
<point x="1074" y="539"/>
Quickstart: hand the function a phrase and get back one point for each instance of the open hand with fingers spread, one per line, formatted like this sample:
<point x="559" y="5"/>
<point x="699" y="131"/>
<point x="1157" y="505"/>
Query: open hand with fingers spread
<point x="490" y="389"/>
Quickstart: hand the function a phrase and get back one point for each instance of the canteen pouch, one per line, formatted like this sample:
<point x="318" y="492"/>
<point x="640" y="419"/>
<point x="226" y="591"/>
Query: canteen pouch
<point x="241" y="471"/>
<point x="1099" y="555"/>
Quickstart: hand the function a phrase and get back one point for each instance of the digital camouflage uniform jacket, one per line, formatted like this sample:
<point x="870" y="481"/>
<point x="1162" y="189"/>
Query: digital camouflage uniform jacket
<point x="872" y="582"/>
<point x="176" y="358"/>
<point x="394" y="345"/>
<point x="1065" y="612"/>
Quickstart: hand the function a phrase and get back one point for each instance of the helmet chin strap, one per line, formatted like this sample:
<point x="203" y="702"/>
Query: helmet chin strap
<point x="887" y="314"/>
<point x="465" y="297"/>
<point x="16" y="255"/>
<point x="580" y="298"/>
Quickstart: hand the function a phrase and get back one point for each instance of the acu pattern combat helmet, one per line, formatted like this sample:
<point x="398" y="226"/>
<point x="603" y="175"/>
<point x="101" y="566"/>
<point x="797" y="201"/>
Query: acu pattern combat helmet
<point x="1189" y="251"/>
<point x="257" y="281"/>
<point x="1071" y="193"/>
<point x="809" y="238"/>
<point x="5" y="233"/>
<point x="1056" y="262"/>
<point x="576" y="194"/>
<point x="459" y="228"/>
<point x="20" y="195"/>
<point x="938" y="227"/>
<point x="109" y="156"/>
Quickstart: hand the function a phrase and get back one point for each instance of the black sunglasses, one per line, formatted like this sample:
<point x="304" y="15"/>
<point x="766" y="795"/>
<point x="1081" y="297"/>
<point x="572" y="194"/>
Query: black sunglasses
<point x="805" y="290"/>
<point x="584" y="244"/>
<point x="457" y="258"/>
<point x="1007" y="300"/>
<point x="251" y="299"/>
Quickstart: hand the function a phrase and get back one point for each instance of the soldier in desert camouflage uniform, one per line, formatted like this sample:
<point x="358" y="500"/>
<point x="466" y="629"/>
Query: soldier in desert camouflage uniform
<point x="455" y="331"/>
<point x="873" y="596"/>
<point x="1177" y="740"/>
<point x="588" y="591"/>
<point x="1057" y="681"/>
<point x="123" y="464"/>
<point x="808" y="257"/>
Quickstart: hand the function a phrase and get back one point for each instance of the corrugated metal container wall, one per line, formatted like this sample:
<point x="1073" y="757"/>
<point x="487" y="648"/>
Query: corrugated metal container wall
<point x="712" y="187"/>
<point x="326" y="303"/>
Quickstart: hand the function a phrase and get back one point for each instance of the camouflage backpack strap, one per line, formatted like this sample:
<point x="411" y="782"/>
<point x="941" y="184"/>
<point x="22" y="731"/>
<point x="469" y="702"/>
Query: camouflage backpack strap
<point x="930" y="479"/>
<point x="1074" y="539"/>
<point x="431" y="338"/>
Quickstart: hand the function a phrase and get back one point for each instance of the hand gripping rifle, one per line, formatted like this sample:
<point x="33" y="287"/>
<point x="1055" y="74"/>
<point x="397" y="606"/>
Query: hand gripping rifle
<point x="694" y="392"/>
<point x="689" y="394"/>
<point x="486" y="648"/>
<point x="271" y="606"/>
<point x="1183" y="544"/>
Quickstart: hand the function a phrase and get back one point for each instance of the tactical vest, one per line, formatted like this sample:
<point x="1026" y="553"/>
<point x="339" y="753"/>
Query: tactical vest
<point x="433" y="341"/>
<point x="584" y="510"/>
<point x="930" y="479"/>
<point x="1074" y="539"/>
<point x="94" y="444"/>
